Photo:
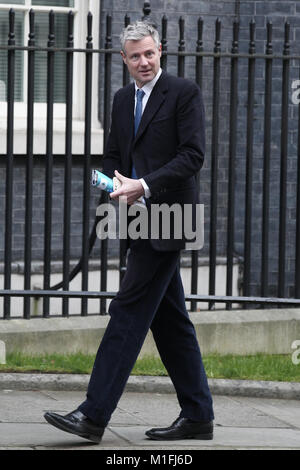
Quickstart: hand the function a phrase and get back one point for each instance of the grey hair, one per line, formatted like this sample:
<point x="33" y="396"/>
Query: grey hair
<point x="137" y="31"/>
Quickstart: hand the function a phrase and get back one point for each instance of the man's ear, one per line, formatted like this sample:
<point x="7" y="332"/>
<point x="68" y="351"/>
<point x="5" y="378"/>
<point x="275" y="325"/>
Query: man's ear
<point x="123" y="56"/>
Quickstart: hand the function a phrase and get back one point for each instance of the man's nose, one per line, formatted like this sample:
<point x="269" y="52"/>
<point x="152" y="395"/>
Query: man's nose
<point x="143" y="60"/>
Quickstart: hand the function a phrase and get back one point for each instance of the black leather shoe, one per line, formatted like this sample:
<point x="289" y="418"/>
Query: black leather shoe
<point x="76" y="423"/>
<point x="183" y="428"/>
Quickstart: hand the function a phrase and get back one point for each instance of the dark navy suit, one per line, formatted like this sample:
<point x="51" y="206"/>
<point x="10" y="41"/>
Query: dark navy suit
<point x="167" y="151"/>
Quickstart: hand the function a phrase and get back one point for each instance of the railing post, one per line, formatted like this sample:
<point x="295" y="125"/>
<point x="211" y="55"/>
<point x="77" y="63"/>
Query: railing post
<point x="87" y="164"/>
<point x="195" y="253"/>
<point x="249" y="163"/>
<point x="126" y="77"/>
<point x="266" y="170"/>
<point x="147" y="14"/>
<point x="29" y="166"/>
<point x="283" y="162"/>
<point x="181" y="48"/>
<point x="214" y="165"/>
<point x="107" y="114"/>
<point x="123" y="243"/>
<point x="146" y="11"/>
<point x="107" y="77"/>
<point x="9" y="161"/>
<point x="232" y="159"/>
<point x="199" y="59"/>
<point x="164" y="42"/>
<point x="49" y="164"/>
<point x="68" y="163"/>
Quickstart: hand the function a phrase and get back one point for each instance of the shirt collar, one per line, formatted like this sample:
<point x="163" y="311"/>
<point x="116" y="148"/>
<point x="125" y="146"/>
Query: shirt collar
<point x="148" y="87"/>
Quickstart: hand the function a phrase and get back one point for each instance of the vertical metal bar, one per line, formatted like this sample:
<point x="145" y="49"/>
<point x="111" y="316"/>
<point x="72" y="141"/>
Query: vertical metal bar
<point x="9" y="161"/>
<point x="87" y="165"/>
<point x="123" y="243"/>
<point x="195" y="253"/>
<point x="49" y="164"/>
<point x="164" y="43"/>
<point x="232" y="158"/>
<point x="181" y="48"/>
<point x="284" y="156"/>
<point x="68" y="163"/>
<point x="146" y="11"/>
<point x="266" y="169"/>
<point x="181" y="58"/>
<point x="297" y="241"/>
<point x="199" y="59"/>
<point x="29" y="166"/>
<point x="194" y="278"/>
<point x="107" y="104"/>
<point x="249" y="164"/>
<point x="214" y="165"/>
<point x="123" y="257"/>
<point x="126" y="77"/>
<point x="107" y="78"/>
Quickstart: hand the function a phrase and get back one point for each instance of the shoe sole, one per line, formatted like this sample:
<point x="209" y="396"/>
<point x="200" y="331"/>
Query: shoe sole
<point x="90" y="437"/>
<point x="202" y="437"/>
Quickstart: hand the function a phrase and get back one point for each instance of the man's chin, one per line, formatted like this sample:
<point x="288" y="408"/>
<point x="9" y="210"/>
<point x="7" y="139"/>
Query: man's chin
<point x="146" y="77"/>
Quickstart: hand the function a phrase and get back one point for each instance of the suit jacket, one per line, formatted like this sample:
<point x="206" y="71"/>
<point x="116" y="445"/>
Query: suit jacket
<point x="168" y="150"/>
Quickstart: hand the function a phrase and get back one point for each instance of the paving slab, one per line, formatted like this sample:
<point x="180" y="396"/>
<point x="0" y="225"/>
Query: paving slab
<point x="286" y="412"/>
<point x="240" y="423"/>
<point x="226" y="437"/>
<point x="37" y="435"/>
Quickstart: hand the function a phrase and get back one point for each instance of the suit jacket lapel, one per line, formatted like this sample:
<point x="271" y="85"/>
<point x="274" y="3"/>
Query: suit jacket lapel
<point x="155" y="101"/>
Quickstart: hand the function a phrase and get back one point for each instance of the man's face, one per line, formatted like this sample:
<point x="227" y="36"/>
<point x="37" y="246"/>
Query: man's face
<point x="142" y="59"/>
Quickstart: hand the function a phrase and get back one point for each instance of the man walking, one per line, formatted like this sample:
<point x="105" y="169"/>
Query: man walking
<point x="155" y="148"/>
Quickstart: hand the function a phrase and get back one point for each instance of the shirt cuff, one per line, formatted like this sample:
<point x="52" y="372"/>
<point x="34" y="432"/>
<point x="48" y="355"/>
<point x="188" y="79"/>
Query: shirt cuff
<point x="146" y="188"/>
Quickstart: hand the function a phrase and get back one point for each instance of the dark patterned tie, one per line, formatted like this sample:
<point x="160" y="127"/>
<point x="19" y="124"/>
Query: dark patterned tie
<point x="137" y="119"/>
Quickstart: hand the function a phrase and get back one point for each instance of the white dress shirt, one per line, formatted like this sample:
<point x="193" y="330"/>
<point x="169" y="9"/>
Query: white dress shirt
<point x="147" y="89"/>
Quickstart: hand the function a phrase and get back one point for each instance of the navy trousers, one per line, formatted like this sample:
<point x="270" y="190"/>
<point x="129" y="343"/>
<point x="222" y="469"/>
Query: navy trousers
<point x="151" y="296"/>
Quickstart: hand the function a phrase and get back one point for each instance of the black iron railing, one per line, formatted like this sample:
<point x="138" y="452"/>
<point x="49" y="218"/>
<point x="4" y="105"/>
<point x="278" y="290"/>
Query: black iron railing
<point x="216" y="56"/>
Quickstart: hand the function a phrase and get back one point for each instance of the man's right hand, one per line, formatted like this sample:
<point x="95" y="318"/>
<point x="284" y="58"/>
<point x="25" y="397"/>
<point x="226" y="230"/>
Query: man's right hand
<point x="131" y="189"/>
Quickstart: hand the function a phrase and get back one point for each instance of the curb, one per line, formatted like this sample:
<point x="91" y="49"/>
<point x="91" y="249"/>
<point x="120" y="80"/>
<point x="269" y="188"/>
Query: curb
<point x="150" y="384"/>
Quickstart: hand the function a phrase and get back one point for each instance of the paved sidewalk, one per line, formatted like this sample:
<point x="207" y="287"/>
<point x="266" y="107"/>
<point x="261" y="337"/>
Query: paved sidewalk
<point x="240" y="422"/>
